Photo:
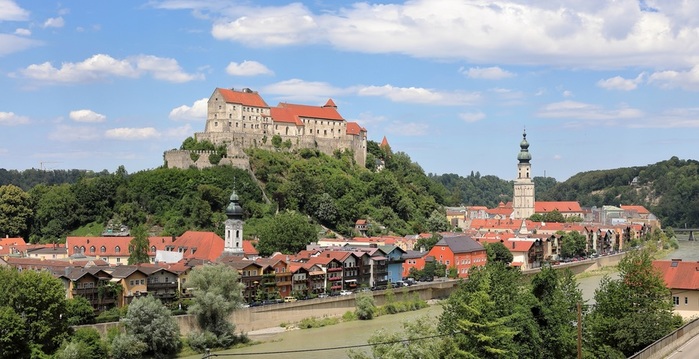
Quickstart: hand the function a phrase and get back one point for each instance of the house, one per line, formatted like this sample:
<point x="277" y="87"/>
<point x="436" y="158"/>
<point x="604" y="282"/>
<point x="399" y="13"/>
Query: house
<point x="413" y="259"/>
<point x="460" y="252"/>
<point x="682" y="278"/>
<point x="394" y="260"/>
<point x="93" y="285"/>
<point x="566" y="208"/>
<point x="132" y="280"/>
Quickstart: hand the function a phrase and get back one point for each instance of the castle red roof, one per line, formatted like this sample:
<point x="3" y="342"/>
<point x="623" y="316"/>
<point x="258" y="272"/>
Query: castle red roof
<point x="285" y="115"/>
<point x="353" y="128"/>
<point x="637" y="209"/>
<point x="325" y="113"/>
<point x="243" y="98"/>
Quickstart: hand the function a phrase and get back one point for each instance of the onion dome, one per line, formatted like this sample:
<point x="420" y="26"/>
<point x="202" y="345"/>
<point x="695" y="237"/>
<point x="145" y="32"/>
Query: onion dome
<point x="234" y="210"/>
<point x="524" y="156"/>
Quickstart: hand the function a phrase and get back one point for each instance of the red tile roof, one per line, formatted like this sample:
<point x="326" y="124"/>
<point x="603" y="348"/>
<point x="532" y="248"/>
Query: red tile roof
<point x="637" y="209"/>
<point x="353" y="128"/>
<point x="244" y="98"/>
<point x="326" y="113"/>
<point x="330" y="103"/>
<point x="285" y="115"/>
<point x="561" y="206"/>
<point x="384" y="142"/>
<point x="208" y="244"/>
<point x="678" y="274"/>
<point x="249" y="248"/>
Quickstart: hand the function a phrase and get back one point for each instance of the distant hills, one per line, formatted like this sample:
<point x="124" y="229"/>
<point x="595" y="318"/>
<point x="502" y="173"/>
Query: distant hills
<point x="394" y="192"/>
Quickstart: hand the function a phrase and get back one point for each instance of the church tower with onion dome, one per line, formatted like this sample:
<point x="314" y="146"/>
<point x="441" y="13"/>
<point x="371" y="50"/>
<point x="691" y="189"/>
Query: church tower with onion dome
<point x="233" y="243"/>
<point x="523" y="201"/>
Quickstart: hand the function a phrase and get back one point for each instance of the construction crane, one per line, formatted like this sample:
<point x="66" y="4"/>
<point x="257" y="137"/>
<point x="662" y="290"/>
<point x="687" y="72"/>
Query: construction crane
<point x="42" y="163"/>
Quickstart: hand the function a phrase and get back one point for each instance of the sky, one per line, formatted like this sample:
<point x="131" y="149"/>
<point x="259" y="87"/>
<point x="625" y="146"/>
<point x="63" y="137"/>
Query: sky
<point x="597" y="84"/>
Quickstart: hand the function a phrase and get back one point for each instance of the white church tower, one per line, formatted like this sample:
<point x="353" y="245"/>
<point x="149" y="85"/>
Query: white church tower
<point x="233" y="243"/>
<point x="523" y="201"/>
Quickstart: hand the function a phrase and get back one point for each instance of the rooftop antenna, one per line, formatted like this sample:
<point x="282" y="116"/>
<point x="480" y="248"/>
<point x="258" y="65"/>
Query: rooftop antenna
<point x="41" y="164"/>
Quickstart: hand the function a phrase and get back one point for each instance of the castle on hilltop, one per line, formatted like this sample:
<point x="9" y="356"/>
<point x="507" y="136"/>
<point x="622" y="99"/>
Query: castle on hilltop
<point x="241" y="119"/>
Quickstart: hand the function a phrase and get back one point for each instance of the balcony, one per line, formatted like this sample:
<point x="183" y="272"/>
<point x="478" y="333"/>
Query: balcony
<point x="337" y="269"/>
<point x="334" y="278"/>
<point x="158" y="285"/>
<point x="281" y="284"/>
<point x="84" y="291"/>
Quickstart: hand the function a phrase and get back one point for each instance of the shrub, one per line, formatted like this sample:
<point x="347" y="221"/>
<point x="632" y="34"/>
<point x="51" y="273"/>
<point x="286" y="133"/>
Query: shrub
<point x="349" y="316"/>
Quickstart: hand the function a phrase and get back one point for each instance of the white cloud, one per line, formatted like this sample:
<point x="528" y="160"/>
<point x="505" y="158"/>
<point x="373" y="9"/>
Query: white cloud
<point x="54" y="22"/>
<point x="472" y="116"/>
<point x="248" y="68"/>
<point x="127" y="134"/>
<point x="12" y="43"/>
<point x="589" y="34"/>
<point x="486" y="73"/>
<point x="23" y="32"/>
<point x="567" y="93"/>
<point x="64" y="133"/>
<point x="264" y="26"/>
<point x="186" y="113"/>
<point x="673" y="118"/>
<point x="179" y="132"/>
<point x="11" y="119"/>
<point x="688" y="80"/>
<point x="101" y="66"/>
<point x="620" y="83"/>
<point x="87" y="116"/>
<point x="585" y="111"/>
<point x="420" y="95"/>
<point x="10" y="11"/>
<point x="307" y="91"/>
<point x="407" y="128"/>
<point x="366" y="119"/>
<point x="557" y="157"/>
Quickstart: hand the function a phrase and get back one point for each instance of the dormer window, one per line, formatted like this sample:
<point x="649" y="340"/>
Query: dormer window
<point x="103" y="249"/>
<point x="117" y="249"/>
<point x="92" y="249"/>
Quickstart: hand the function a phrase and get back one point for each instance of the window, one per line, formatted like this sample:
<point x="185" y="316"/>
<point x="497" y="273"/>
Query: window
<point x="82" y="249"/>
<point x="152" y="249"/>
<point x="92" y="249"/>
<point x="103" y="249"/>
<point x="117" y="249"/>
<point x="676" y="300"/>
<point x="686" y="300"/>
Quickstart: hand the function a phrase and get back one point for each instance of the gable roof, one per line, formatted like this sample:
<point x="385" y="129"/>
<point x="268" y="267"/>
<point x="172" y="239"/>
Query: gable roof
<point x="679" y="275"/>
<point x="353" y="128"/>
<point x="561" y="206"/>
<point x="325" y="113"/>
<point x="637" y="209"/>
<point x="242" y="97"/>
<point x="285" y="115"/>
<point x="460" y="244"/>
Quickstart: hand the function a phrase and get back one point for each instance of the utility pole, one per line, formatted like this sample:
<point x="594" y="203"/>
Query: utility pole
<point x="579" y="331"/>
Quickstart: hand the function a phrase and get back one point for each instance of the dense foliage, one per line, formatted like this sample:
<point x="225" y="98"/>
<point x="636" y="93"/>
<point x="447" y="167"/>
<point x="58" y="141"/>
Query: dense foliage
<point x="151" y="323"/>
<point x="335" y="192"/>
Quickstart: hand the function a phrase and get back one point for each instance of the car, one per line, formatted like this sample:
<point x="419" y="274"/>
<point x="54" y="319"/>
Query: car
<point x="289" y="299"/>
<point x="345" y="292"/>
<point x="426" y="279"/>
<point x="322" y="295"/>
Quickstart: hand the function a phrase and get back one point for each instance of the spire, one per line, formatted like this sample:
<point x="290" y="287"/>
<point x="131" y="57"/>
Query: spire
<point x="524" y="156"/>
<point x="384" y="142"/>
<point x="234" y="210"/>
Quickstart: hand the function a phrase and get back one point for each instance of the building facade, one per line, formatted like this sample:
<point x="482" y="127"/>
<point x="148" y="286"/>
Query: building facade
<point x="523" y="201"/>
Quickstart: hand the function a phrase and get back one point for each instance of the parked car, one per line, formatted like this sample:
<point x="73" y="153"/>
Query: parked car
<point x="289" y="299"/>
<point x="426" y="279"/>
<point x="322" y="295"/>
<point x="345" y="292"/>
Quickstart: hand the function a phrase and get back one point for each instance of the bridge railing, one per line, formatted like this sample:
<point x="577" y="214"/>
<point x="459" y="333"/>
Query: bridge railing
<point x="663" y="346"/>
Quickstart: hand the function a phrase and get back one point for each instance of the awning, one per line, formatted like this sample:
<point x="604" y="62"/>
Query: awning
<point x="379" y="258"/>
<point x="350" y="281"/>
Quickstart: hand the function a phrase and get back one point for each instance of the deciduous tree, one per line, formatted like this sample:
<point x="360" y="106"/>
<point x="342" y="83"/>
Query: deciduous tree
<point x="15" y="211"/>
<point x="150" y="322"/>
<point x="286" y="232"/>
<point x="138" y="246"/>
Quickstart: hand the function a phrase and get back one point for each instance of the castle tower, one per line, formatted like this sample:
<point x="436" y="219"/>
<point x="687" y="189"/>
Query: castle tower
<point x="233" y="243"/>
<point x="523" y="201"/>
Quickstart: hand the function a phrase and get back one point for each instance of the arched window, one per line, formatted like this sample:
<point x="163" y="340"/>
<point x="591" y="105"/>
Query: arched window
<point x="75" y="249"/>
<point x="92" y="249"/>
<point x="103" y="249"/>
<point x="82" y="249"/>
<point x="152" y="249"/>
<point x="117" y="249"/>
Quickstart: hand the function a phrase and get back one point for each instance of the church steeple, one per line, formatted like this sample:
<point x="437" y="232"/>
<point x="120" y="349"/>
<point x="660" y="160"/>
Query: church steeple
<point x="233" y="243"/>
<point x="523" y="201"/>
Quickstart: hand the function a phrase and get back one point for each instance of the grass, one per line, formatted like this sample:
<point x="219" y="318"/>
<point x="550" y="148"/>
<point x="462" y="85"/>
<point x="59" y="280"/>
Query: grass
<point x="93" y="229"/>
<point x="598" y="272"/>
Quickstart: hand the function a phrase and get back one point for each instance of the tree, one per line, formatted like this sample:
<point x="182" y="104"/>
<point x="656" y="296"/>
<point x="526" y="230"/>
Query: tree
<point x="573" y="244"/>
<point x="139" y="246"/>
<point x="150" y="322"/>
<point x="39" y="299"/>
<point x="85" y="343"/>
<point x="625" y="307"/>
<point x="557" y="295"/>
<point x="497" y="252"/>
<point x="425" y="244"/>
<point x="12" y="343"/>
<point x="79" y="311"/>
<point x="217" y="293"/>
<point x="554" y="216"/>
<point x="15" y="211"/>
<point x="365" y="306"/>
<point x="437" y="222"/>
<point x="419" y="339"/>
<point x="286" y="232"/>
<point x="277" y="141"/>
<point x="127" y="346"/>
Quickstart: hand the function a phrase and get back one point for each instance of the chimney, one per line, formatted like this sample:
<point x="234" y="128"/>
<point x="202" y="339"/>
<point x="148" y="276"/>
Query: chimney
<point x="173" y="237"/>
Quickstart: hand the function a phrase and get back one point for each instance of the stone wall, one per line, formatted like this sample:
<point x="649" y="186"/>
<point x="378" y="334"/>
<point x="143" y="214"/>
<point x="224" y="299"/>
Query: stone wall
<point x="183" y="159"/>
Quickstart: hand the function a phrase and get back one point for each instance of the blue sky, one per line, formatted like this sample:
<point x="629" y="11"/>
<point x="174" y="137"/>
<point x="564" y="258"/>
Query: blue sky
<point x="598" y="84"/>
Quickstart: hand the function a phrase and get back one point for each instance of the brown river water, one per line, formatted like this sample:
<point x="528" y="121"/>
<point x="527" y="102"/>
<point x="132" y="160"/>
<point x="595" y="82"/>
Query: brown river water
<point x="311" y="343"/>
